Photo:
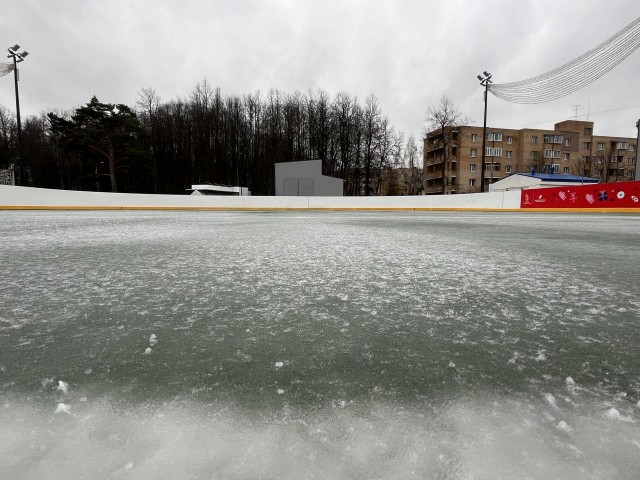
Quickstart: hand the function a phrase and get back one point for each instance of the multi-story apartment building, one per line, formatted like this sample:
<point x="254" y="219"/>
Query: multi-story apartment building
<point x="453" y="156"/>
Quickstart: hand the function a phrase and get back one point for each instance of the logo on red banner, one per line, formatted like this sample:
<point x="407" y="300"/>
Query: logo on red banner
<point x="599" y="195"/>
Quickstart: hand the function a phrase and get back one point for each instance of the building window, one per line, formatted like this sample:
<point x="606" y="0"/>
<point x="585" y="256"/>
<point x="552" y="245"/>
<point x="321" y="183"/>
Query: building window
<point x="552" y="154"/>
<point x="631" y="161"/>
<point x="565" y="170"/>
<point x="614" y="159"/>
<point x="600" y="145"/>
<point x="472" y="182"/>
<point x="507" y="168"/>
<point x="534" y="140"/>
<point x="533" y="155"/>
<point x="472" y="167"/>
<point x="599" y="160"/>
<point x="632" y="175"/>
<point x="553" y="139"/>
<point x="567" y="156"/>
<point x="509" y="140"/>
<point x="492" y="152"/>
<point x="474" y="137"/>
<point x="473" y="152"/>
<point x="621" y="145"/>
<point x="631" y="147"/>
<point x="497" y="137"/>
<point x="492" y="167"/>
<point x="554" y="168"/>
<point x="509" y="154"/>
<point x="586" y="145"/>
<point x="567" y="142"/>
<point x="587" y="131"/>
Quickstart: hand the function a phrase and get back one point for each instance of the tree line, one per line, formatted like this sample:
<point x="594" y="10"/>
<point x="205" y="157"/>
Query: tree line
<point x="166" y="146"/>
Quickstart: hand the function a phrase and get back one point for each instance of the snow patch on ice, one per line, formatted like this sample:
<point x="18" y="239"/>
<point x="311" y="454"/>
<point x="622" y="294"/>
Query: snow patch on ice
<point x="63" y="408"/>
<point x="551" y="400"/>
<point x="63" y="387"/>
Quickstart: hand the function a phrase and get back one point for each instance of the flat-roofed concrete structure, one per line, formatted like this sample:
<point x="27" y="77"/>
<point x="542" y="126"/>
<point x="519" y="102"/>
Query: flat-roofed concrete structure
<point x="305" y="179"/>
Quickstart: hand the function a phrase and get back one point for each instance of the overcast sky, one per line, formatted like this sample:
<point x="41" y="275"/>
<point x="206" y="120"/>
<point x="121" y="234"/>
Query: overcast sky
<point x="407" y="53"/>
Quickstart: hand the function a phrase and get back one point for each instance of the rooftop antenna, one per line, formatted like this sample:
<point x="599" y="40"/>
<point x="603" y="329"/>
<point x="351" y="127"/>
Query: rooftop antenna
<point x="576" y="107"/>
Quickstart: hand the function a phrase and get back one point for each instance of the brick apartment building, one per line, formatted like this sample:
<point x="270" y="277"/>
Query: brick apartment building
<point x="453" y="158"/>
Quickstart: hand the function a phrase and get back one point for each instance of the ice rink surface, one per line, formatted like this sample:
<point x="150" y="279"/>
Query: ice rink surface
<point x="319" y="345"/>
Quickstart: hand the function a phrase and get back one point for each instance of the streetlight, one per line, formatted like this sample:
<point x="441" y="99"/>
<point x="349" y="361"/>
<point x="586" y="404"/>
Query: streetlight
<point x="17" y="58"/>
<point x="485" y="80"/>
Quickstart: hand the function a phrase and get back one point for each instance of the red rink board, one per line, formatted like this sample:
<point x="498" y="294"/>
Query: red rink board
<point x="598" y="195"/>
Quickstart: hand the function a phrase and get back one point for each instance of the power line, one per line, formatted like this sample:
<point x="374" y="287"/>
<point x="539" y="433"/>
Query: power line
<point x="5" y="68"/>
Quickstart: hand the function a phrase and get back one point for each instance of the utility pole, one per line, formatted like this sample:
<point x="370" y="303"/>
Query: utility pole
<point x="17" y="58"/>
<point x="484" y="81"/>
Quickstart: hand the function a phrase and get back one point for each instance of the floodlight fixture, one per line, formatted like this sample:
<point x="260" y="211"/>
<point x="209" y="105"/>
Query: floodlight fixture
<point x="15" y="48"/>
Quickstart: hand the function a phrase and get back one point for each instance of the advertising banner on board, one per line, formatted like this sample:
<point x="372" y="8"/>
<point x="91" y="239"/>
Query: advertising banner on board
<point x="599" y="195"/>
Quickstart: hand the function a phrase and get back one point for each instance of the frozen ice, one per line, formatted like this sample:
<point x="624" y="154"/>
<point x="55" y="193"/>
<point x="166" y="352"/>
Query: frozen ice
<point x="244" y="357"/>
<point x="562" y="425"/>
<point x="452" y="365"/>
<point x="153" y="339"/>
<point x="63" y="387"/>
<point x="147" y="351"/>
<point x="570" y="382"/>
<point x="280" y="391"/>
<point x="279" y="364"/>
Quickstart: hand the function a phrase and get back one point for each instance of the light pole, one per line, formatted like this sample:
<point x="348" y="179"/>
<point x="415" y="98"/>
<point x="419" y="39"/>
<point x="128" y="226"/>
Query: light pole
<point x="17" y="58"/>
<point x="484" y="81"/>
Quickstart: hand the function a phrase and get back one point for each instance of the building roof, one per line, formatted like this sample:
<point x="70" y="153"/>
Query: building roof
<point x="558" y="177"/>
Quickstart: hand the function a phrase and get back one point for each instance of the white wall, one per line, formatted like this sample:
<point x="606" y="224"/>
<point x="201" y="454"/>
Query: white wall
<point x="24" y="197"/>
<point x="308" y="169"/>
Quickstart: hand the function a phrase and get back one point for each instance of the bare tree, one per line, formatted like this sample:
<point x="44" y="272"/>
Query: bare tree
<point x="413" y="175"/>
